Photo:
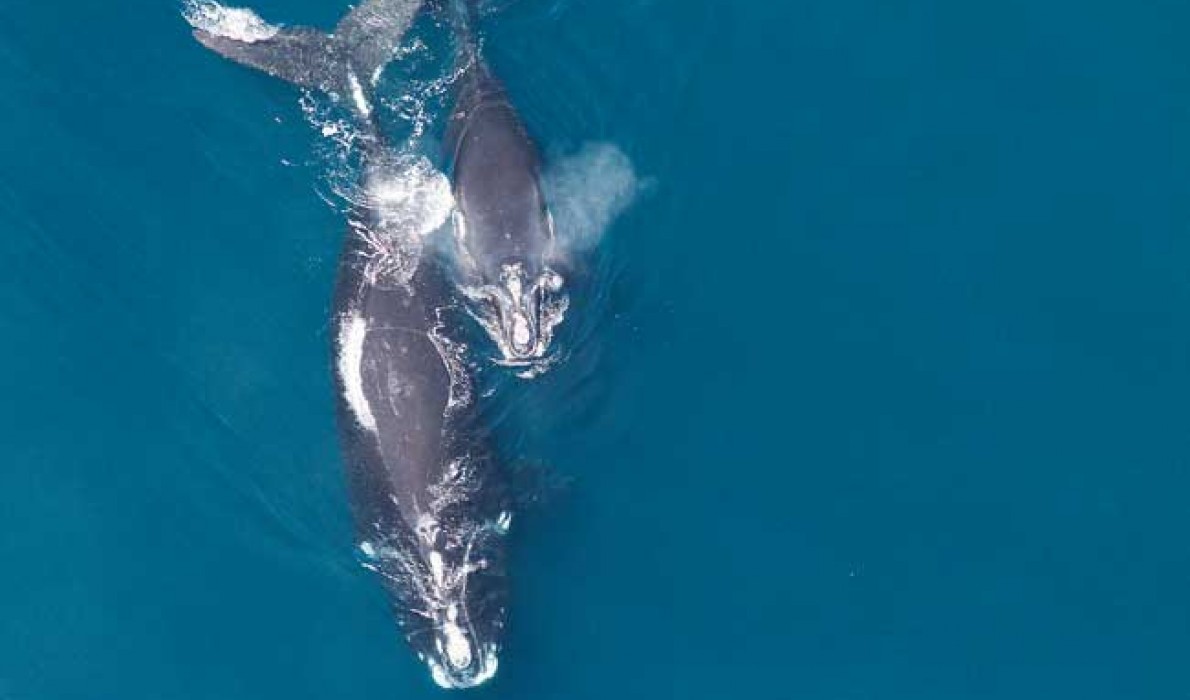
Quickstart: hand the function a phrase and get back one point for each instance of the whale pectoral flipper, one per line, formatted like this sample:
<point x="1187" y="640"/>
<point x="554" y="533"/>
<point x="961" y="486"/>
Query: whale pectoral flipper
<point x="304" y="57"/>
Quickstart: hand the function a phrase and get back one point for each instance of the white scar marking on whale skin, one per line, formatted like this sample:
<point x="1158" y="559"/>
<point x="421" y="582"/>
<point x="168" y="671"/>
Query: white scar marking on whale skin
<point x="437" y="568"/>
<point x="357" y="95"/>
<point x="351" y="358"/>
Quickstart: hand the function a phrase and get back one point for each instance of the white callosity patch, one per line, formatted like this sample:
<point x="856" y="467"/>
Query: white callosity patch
<point x="352" y="333"/>
<point x="504" y="311"/>
<point x="587" y="191"/>
<point x="427" y="528"/>
<point x="522" y="333"/>
<point x="239" y="23"/>
<point x="458" y="649"/>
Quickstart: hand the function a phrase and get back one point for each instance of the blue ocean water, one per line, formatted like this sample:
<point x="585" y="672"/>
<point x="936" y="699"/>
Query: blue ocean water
<point x="885" y="394"/>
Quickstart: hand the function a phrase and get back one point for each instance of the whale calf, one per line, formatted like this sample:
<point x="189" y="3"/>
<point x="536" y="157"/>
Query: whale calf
<point x="430" y="501"/>
<point x="510" y="259"/>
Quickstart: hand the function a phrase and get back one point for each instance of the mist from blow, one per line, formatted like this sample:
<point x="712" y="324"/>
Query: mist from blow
<point x="587" y="191"/>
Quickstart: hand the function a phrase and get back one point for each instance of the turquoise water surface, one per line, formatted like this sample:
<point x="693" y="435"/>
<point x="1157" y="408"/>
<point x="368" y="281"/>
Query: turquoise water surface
<point x="882" y="388"/>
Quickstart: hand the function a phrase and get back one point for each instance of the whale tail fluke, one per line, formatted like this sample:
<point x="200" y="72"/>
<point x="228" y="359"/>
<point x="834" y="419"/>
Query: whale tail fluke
<point x="373" y="32"/>
<point x="347" y="62"/>
<point x="304" y="57"/>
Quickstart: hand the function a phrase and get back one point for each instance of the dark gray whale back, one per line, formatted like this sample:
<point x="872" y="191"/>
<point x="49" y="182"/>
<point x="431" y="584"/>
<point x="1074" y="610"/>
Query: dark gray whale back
<point x="393" y="385"/>
<point x="496" y="173"/>
<point x="430" y="502"/>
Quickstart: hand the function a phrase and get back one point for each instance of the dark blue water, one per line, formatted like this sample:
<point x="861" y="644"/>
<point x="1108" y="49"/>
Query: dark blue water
<point x="887" y="395"/>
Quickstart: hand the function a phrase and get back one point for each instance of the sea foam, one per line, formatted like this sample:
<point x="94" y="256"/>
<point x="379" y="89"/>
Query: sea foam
<point x="239" y="23"/>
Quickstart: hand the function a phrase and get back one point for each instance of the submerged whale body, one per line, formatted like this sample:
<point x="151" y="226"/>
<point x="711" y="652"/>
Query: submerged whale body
<point x="430" y="501"/>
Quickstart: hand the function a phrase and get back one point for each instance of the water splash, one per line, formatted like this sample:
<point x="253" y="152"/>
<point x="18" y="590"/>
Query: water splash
<point x="588" y="191"/>
<point x="336" y="150"/>
<point x="410" y="194"/>
<point x="239" y="23"/>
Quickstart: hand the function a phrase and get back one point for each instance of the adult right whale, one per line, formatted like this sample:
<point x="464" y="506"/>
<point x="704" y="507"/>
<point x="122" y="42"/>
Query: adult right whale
<point x="431" y="503"/>
<point x="510" y="259"/>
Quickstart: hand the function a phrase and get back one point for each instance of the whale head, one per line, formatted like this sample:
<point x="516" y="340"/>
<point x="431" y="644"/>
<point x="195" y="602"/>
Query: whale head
<point x="520" y="305"/>
<point x="518" y="294"/>
<point x="449" y="590"/>
<point x="460" y="658"/>
<point x="464" y="605"/>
